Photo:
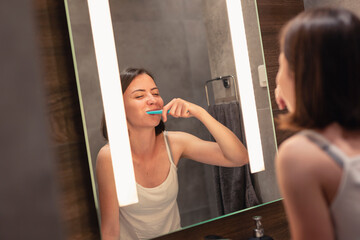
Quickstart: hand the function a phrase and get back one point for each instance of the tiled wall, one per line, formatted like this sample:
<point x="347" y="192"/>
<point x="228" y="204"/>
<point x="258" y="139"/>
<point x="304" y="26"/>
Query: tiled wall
<point x="167" y="38"/>
<point x="222" y="64"/>
<point x="266" y="180"/>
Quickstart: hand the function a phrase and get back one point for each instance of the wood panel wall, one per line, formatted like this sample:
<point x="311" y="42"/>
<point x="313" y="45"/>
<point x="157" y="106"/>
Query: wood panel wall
<point x="79" y="217"/>
<point x="28" y="196"/>
<point x="239" y="226"/>
<point x="273" y="14"/>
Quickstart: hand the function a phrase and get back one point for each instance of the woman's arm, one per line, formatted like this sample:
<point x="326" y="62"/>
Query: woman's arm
<point x="299" y="176"/>
<point x="226" y="151"/>
<point x="109" y="207"/>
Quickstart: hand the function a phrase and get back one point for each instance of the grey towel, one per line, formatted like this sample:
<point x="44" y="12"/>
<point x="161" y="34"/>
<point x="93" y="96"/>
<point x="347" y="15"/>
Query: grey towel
<point x="234" y="186"/>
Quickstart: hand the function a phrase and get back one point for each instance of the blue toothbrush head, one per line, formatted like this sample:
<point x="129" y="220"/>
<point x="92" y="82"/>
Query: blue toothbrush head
<point x="156" y="112"/>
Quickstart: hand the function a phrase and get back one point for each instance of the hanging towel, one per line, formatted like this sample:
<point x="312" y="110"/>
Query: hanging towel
<point x="234" y="186"/>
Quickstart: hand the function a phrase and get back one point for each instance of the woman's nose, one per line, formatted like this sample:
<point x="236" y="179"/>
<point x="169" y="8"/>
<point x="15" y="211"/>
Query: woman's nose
<point x="151" y="99"/>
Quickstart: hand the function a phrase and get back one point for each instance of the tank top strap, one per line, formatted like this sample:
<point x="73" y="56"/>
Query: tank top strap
<point x="168" y="149"/>
<point x="334" y="152"/>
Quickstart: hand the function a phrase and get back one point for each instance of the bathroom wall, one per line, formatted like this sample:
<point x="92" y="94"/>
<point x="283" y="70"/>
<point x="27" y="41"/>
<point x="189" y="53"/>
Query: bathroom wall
<point x="266" y="180"/>
<point x="353" y="5"/>
<point x="182" y="53"/>
<point x="222" y="64"/>
<point x="168" y="38"/>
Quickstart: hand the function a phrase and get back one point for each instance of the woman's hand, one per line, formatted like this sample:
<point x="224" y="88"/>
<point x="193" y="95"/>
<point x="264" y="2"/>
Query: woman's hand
<point x="180" y="108"/>
<point x="279" y="99"/>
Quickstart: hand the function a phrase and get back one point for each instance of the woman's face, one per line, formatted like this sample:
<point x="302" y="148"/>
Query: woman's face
<point x="286" y="83"/>
<point x="142" y="95"/>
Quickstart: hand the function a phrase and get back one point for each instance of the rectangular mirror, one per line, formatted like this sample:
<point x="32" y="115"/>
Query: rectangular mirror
<point x="184" y="43"/>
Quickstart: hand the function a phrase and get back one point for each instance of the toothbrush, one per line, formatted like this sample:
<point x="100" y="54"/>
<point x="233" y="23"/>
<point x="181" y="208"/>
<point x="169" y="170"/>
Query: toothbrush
<point x="156" y="112"/>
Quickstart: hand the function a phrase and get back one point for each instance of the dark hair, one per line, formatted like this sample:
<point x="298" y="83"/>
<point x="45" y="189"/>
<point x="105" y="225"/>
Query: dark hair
<point x="126" y="77"/>
<point x="322" y="47"/>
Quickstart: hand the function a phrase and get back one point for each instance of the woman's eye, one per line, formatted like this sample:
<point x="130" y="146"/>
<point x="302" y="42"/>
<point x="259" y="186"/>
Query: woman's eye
<point x="156" y="94"/>
<point x="139" y="96"/>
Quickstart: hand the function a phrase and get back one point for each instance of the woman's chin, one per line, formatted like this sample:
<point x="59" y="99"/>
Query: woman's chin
<point x="154" y="121"/>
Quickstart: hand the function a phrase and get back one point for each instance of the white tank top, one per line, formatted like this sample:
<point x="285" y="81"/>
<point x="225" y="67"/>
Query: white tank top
<point x="345" y="208"/>
<point x="157" y="212"/>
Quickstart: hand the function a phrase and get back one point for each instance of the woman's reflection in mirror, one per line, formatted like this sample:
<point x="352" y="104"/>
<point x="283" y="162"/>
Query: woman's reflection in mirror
<point x="318" y="81"/>
<point x="156" y="154"/>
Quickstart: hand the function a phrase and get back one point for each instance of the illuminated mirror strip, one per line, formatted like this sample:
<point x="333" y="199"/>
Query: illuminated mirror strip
<point x="107" y="64"/>
<point x="245" y="85"/>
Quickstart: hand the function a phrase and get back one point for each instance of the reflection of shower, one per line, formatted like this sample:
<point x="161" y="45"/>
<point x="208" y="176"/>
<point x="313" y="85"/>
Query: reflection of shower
<point x="227" y="85"/>
<point x="234" y="186"/>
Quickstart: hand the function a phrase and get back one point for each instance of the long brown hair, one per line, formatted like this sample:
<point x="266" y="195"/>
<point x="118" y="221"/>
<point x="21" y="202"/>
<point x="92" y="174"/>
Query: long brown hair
<point x="127" y="76"/>
<point x="322" y="47"/>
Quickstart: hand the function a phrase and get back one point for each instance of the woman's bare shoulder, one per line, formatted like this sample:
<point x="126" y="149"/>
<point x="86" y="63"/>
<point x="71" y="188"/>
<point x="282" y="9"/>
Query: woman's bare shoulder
<point x="299" y="157"/>
<point x="298" y="146"/>
<point x="181" y="140"/>
<point x="180" y="137"/>
<point x="104" y="156"/>
<point x="293" y="146"/>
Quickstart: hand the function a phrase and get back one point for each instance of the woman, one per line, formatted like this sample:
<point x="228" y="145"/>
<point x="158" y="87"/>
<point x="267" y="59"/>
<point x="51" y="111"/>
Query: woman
<point x="156" y="154"/>
<point x="318" y="81"/>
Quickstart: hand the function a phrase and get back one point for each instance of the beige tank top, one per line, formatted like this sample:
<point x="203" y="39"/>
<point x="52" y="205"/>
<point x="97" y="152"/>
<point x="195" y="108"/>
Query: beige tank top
<point x="345" y="208"/>
<point x="157" y="212"/>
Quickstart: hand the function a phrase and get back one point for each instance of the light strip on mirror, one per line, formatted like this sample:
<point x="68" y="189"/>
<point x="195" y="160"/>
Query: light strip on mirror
<point x="245" y="85"/>
<point x="110" y="86"/>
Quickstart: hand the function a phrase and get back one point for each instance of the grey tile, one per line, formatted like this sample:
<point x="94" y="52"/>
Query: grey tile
<point x="266" y="180"/>
<point x="211" y="6"/>
<point x="219" y="42"/>
<point x="169" y="39"/>
<point x="255" y="52"/>
<point x="146" y="10"/>
<point x="193" y="9"/>
<point x="78" y="11"/>
<point x="199" y="68"/>
<point x="220" y="50"/>
<point x="89" y="86"/>
<point x="160" y="49"/>
<point x="193" y="196"/>
<point x="261" y="96"/>
<point x="194" y="216"/>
